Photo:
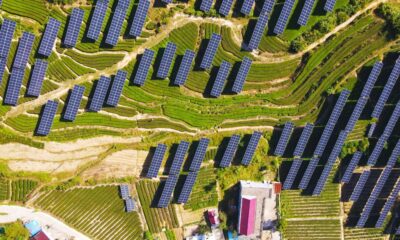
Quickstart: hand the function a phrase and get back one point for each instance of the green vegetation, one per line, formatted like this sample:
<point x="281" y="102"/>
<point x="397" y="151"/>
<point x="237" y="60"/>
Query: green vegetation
<point x="313" y="229"/>
<point x="21" y="188"/>
<point x="14" y="231"/>
<point x="204" y="193"/>
<point x="391" y="13"/>
<point x="4" y="189"/>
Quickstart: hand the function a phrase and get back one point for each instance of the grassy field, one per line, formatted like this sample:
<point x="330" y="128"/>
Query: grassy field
<point x="21" y="188"/>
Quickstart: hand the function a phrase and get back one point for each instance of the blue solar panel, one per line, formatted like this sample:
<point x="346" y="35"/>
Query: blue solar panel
<point x="116" y="88"/>
<point x="38" y="74"/>
<point x="129" y="205"/>
<point x="305" y="12"/>
<point x="247" y="6"/>
<point x="116" y="22"/>
<point x="251" y="148"/>
<point x="377" y="151"/>
<point x="284" y="139"/>
<point x="394" y="156"/>
<point x="6" y="36"/>
<point x="360" y="186"/>
<point x="210" y="51"/>
<point x="373" y="76"/>
<point x="230" y="151"/>
<point x="74" y="27"/>
<point x="14" y="86"/>
<point x="97" y="20"/>
<point x="258" y="32"/>
<point x="242" y="75"/>
<point x="205" y="5"/>
<point x="167" y="191"/>
<point x="49" y="37"/>
<point x="100" y="93"/>
<point x="124" y="191"/>
<point x="356" y="114"/>
<point x="24" y="50"/>
<point x="388" y="205"/>
<point x="184" y="68"/>
<point x="267" y="7"/>
<point x="283" y="17"/>
<point x="166" y="60"/>
<point x="187" y="187"/>
<point x="156" y="161"/>
<point x="222" y="75"/>
<point x="144" y="66"/>
<point x="140" y="18"/>
<point x="309" y="172"/>
<point x="292" y="174"/>
<point x="305" y="136"/>
<point x="199" y="154"/>
<point x="3" y="63"/>
<point x="47" y="118"/>
<point x="371" y="130"/>
<point x="73" y="103"/>
<point x="225" y="7"/>
<point x="392" y="122"/>
<point x="329" y="5"/>
<point x="179" y="157"/>
<point x="350" y="168"/>
<point x="167" y="1"/>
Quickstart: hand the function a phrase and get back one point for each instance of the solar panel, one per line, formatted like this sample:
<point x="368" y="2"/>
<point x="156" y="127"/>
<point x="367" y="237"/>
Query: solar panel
<point x="356" y="114"/>
<point x="167" y="1"/>
<point x="99" y="94"/>
<point x="97" y="20"/>
<point x="14" y="86"/>
<point x="242" y="75"/>
<point x="329" y="5"/>
<point x="124" y="191"/>
<point x="284" y="139"/>
<point x="47" y="118"/>
<point x="376" y="152"/>
<point x="140" y="18"/>
<point x="222" y="75"/>
<point x="305" y="136"/>
<point x="392" y="121"/>
<point x="360" y="185"/>
<point x="184" y="68"/>
<point x="74" y="27"/>
<point x="267" y="7"/>
<point x="6" y="36"/>
<point x="388" y="205"/>
<point x="116" y="88"/>
<point x="230" y="151"/>
<point x="24" y="50"/>
<point x="371" y="130"/>
<point x="247" y="6"/>
<point x="292" y="174"/>
<point x="166" y="60"/>
<point x="308" y="173"/>
<point x="130" y="205"/>
<point x="116" y="22"/>
<point x="394" y="75"/>
<point x="394" y="156"/>
<point x="144" y="67"/>
<point x="49" y="37"/>
<point x="187" y="187"/>
<point x="210" y="51"/>
<point x="251" y="148"/>
<point x="205" y="5"/>
<point x="373" y="76"/>
<point x="179" y="157"/>
<point x="350" y="168"/>
<point x="3" y="63"/>
<point x="225" y="7"/>
<point x="73" y="103"/>
<point x="283" y="17"/>
<point x="305" y="12"/>
<point x="156" y="161"/>
<point x="199" y="154"/>
<point x="167" y="191"/>
<point x="38" y="74"/>
<point x="258" y="32"/>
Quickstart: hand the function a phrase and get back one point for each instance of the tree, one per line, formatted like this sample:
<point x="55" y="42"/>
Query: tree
<point x="15" y="231"/>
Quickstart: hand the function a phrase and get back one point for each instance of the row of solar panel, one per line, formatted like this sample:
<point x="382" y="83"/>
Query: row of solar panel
<point x="226" y="6"/>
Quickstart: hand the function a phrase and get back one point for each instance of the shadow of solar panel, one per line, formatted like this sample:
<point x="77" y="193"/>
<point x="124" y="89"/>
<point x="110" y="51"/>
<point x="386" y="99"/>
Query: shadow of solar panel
<point x="199" y="154"/>
<point x="247" y="6"/>
<point x="360" y="186"/>
<point x="351" y="167"/>
<point x="329" y="5"/>
<point x="284" y="17"/>
<point x="305" y="136"/>
<point x="139" y="18"/>
<point x="124" y="191"/>
<point x="97" y="20"/>
<point x="179" y="157"/>
<point x="251" y="148"/>
<point x="47" y="118"/>
<point x="129" y="205"/>
<point x="116" y="88"/>
<point x="205" y="5"/>
<point x="242" y="75"/>
<point x="100" y="93"/>
<point x="187" y="187"/>
<point x="3" y="63"/>
<point x="258" y="32"/>
<point x="24" y="50"/>
<point x="225" y="7"/>
<point x="166" y="60"/>
<point x="156" y="161"/>
<point x="305" y="180"/>
<point x="210" y="51"/>
<point x="284" y="139"/>
<point x="144" y="66"/>
<point x="184" y="68"/>
<point x="388" y="205"/>
<point x="117" y="22"/>
<point x="38" y="74"/>
<point x="230" y="151"/>
<point x="267" y="7"/>
<point x="222" y="75"/>
<point x="73" y="103"/>
<point x="294" y="168"/>
<point x="6" y="36"/>
<point x="74" y="27"/>
<point x="167" y="191"/>
<point x="305" y="12"/>
<point x="49" y="37"/>
<point x="14" y="86"/>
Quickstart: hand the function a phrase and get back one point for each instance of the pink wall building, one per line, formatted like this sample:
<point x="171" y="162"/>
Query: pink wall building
<point x="247" y="215"/>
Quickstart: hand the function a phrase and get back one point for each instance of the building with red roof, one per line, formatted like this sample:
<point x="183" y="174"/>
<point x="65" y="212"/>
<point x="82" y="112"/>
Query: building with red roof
<point x="247" y="215"/>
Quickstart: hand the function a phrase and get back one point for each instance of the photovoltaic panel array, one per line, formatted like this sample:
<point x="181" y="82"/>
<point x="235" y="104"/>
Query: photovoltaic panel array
<point x="144" y="66"/>
<point x="117" y="21"/>
<point x="140" y="18"/>
<point x="247" y="6"/>
<point x="331" y="161"/>
<point x="178" y="158"/>
<point x="350" y="168"/>
<point x="49" y="37"/>
<point x="305" y="12"/>
<point x="267" y="7"/>
<point x="129" y="205"/>
<point x="294" y="168"/>
<point x="283" y="17"/>
<point x="371" y="130"/>
<point x="166" y="60"/>
<point x="242" y="75"/>
<point x="360" y="186"/>
<point x="38" y="74"/>
<point x="358" y="109"/>
<point x="167" y="1"/>
<point x="373" y="76"/>
<point x="380" y="144"/>
<point x="74" y="102"/>
<point x="305" y="136"/>
<point x="97" y="20"/>
<point x="6" y="35"/>
<point x="199" y="154"/>
<point x="184" y="68"/>
<point x="284" y="139"/>
<point x="74" y="27"/>
<point x="308" y="173"/>
<point x="222" y="75"/>
<point x="187" y="187"/>
<point x="329" y="5"/>
<point x="230" y="151"/>
<point x="394" y="75"/>
<point x="156" y="161"/>
<point x="167" y="191"/>
<point x="116" y="88"/>
<point x="24" y="50"/>
<point x="388" y="205"/>
<point x="47" y="118"/>
<point x="251" y="148"/>
<point x="225" y="7"/>
<point x="124" y="191"/>
<point x="100" y="93"/>
<point x="205" y="5"/>
<point x="14" y="86"/>
<point x="210" y="51"/>
<point x="392" y="121"/>
<point x="258" y="32"/>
